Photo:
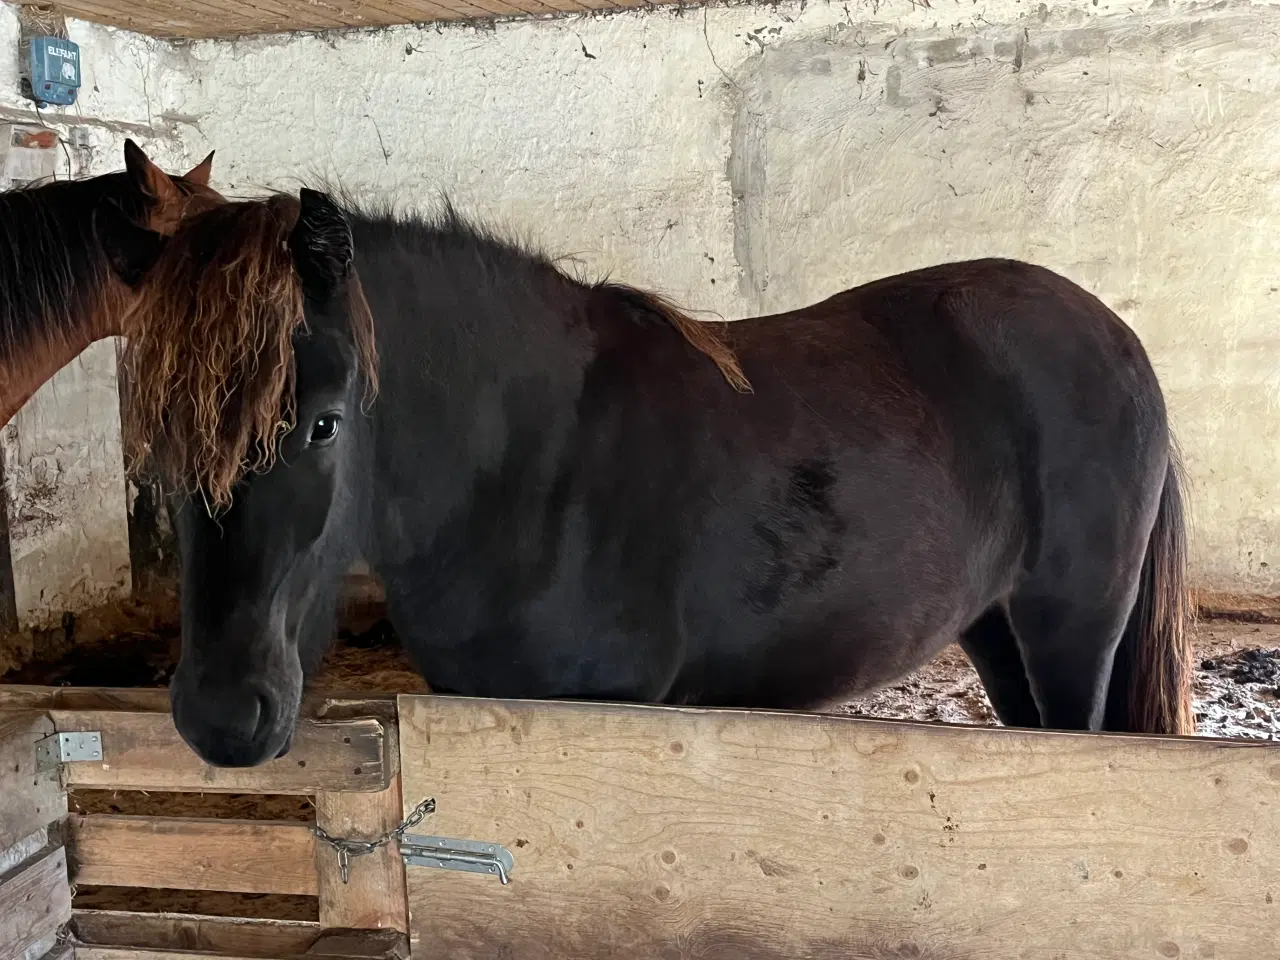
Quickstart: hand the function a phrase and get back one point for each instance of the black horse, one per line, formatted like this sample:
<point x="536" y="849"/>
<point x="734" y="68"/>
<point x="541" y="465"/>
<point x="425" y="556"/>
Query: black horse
<point x="565" y="499"/>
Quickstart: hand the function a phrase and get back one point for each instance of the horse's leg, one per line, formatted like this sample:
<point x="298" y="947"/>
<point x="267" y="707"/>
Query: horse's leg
<point x="992" y="648"/>
<point x="1068" y="631"/>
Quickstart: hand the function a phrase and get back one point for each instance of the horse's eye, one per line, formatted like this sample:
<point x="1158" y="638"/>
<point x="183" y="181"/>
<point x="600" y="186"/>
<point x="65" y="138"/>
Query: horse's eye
<point x="324" y="429"/>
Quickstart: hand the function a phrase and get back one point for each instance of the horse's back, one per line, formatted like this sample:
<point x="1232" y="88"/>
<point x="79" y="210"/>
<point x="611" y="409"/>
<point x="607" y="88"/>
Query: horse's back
<point x="908" y="449"/>
<point x="986" y="363"/>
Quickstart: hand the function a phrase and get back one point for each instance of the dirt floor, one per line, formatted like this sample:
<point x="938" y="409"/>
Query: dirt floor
<point x="1237" y="686"/>
<point x="1237" y="691"/>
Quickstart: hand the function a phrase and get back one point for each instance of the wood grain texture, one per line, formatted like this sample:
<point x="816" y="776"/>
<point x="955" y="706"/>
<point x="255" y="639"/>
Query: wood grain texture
<point x="230" y="18"/>
<point x="143" y="751"/>
<point x="104" y="952"/>
<point x="125" y="936"/>
<point x="360" y="945"/>
<point x="237" y="856"/>
<point x="20" y="696"/>
<point x="681" y="833"/>
<point x="29" y="800"/>
<point x="374" y="898"/>
<point x="35" y="901"/>
<point x="326" y="706"/>
<point x="170" y="931"/>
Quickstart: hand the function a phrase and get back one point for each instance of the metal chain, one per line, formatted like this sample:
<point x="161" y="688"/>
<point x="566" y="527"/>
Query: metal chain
<point x="347" y="849"/>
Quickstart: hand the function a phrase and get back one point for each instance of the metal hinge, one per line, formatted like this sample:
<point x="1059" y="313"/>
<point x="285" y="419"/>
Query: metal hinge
<point x="68" y="748"/>
<point x="446" y="853"/>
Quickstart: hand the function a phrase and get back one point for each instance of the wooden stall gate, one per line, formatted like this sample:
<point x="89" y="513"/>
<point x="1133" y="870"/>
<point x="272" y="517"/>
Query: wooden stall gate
<point x="344" y="757"/>
<point x="644" y="833"/>
<point x="666" y="834"/>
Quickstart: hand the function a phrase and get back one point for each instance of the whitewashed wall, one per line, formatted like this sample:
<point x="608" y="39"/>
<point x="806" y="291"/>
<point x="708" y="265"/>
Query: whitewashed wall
<point x="64" y="472"/>
<point x="754" y="158"/>
<point x="750" y="159"/>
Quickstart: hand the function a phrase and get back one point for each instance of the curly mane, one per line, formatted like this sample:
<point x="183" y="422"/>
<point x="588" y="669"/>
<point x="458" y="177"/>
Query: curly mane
<point x="209" y="364"/>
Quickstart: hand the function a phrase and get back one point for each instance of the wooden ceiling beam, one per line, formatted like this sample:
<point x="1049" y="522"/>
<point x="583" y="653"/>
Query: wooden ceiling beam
<point x="225" y="19"/>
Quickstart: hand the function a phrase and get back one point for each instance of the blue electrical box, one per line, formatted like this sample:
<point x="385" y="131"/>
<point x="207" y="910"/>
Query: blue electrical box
<point x="54" y="66"/>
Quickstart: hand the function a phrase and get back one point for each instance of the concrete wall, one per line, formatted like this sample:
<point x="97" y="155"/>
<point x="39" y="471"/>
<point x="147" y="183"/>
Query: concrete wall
<point x="63" y="467"/>
<point x="748" y="159"/>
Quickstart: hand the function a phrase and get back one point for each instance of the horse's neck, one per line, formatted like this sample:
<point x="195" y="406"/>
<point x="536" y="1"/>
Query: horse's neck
<point x="56" y="295"/>
<point x="501" y="380"/>
<point x="34" y="356"/>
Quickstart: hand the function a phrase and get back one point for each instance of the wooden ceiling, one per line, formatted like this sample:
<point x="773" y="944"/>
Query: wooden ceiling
<point x="205" y="19"/>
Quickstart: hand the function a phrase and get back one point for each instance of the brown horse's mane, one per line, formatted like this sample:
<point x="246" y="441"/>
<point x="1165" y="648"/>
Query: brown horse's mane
<point x="210" y="365"/>
<point x="505" y="254"/>
<point x="698" y="333"/>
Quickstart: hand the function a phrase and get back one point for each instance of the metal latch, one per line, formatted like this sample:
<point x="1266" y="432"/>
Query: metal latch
<point x="446" y="853"/>
<point x="68" y="748"/>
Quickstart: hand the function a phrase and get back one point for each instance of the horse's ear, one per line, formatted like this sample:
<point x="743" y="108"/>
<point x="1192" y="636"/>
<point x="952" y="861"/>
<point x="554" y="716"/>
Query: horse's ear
<point x="201" y="172"/>
<point x="130" y="249"/>
<point x="321" y="244"/>
<point x="148" y="179"/>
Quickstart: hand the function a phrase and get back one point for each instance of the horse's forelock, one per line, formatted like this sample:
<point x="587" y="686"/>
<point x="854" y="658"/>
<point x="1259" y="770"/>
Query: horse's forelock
<point x="210" y="357"/>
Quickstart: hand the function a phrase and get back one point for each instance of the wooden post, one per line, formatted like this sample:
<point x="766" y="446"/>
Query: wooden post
<point x="35" y="899"/>
<point x="374" y="896"/>
<point x="30" y="799"/>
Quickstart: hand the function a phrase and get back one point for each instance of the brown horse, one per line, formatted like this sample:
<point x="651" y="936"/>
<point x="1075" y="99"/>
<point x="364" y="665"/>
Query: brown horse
<point x="566" y="499"/>
<point x="58" y="290"/>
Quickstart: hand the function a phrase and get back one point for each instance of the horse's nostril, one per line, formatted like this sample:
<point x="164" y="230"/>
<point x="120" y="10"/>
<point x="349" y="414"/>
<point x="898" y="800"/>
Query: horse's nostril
<point x="266" y="718"/>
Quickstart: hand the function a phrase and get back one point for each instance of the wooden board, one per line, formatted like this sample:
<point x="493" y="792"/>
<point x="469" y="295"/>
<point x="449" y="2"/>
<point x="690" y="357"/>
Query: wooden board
<point x="100" y="952"/>
<point x="238" y="856"/>
<point x="327" y="706"/>
<point x="374" y="896"/>
<point x="723" y="835"/>
<point x="229" y="18"/>
<point x="169" y="931"/>
<point x="360" y="945"/>
<point x="19" y="696"/>
<point x="106" y="935"/>
<point x="34" y="901"/>
<point x="29" y="800"/>
<point x="144" y="751"/>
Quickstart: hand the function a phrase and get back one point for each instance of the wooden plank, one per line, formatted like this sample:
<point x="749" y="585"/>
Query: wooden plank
<point x="168" y="931"/>
<point x="374" y="897"/>
<point x="723" y="834"/>
<point x="204" y="19"/>
<point x="328" y="706"/>
<point x="143" y="751"/>
<point x="238" y="856"/>
<point x="18" y="696"/>
<point x="35" y="901"/>
<point x="29" y="800"/>
<point x="22" y="851"/>
<point x="107" y="952"/>
<point x="360" y="945"/>
<point x="174" y="937"/>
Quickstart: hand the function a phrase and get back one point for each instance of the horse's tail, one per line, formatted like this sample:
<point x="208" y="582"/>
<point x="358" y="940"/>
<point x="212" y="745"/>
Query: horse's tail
<point x="1150" y="689"/>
